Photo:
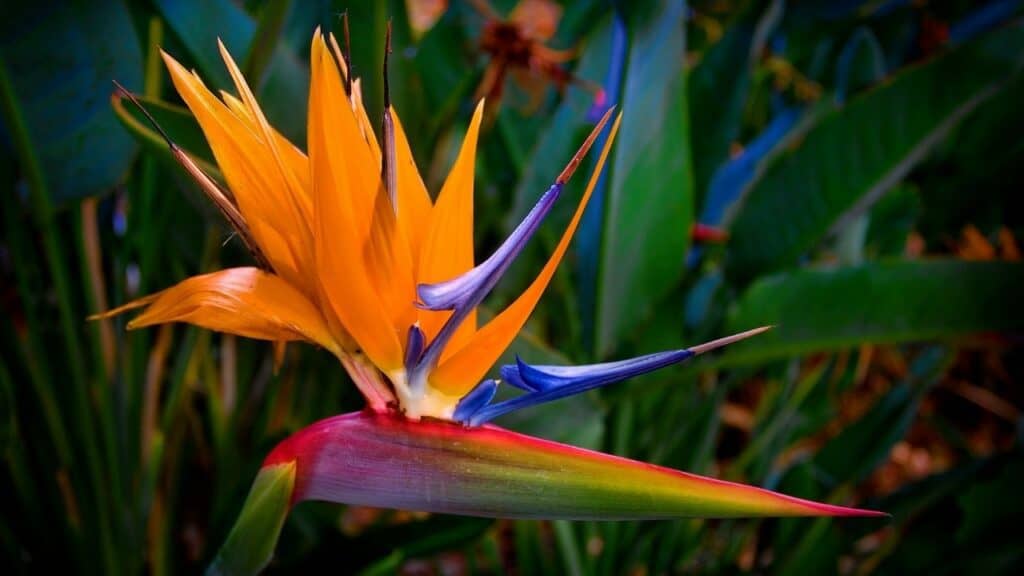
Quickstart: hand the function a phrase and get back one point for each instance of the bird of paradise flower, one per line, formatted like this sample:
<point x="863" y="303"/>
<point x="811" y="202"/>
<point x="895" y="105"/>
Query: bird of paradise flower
<point x="353" y="255"/>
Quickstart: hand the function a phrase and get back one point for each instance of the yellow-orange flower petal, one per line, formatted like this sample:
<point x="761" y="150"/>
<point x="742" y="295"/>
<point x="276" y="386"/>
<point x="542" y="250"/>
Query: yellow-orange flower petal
<point x="293" y="157"/>
<point x="414" y="203"/>
<point x="244" y="301"/>
<point x="467" y="366"/>
<point x="344" y="279"/>
<point x="448" y="248"/>
<point x="243" y="158"/>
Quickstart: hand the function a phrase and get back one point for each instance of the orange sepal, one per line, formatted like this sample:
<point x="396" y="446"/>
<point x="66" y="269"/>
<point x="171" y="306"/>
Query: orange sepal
<point x="243" y="158"/>
<point x="244" y="301"/>
<point x="344" y="280"/>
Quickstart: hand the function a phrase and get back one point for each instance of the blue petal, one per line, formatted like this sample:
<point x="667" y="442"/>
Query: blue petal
<point x="469" y="289"/>
<point x="414" y="346"/>
<point x="478" y="397"/>
<point x="510" y="375"/>
<point x="547" y="383"/>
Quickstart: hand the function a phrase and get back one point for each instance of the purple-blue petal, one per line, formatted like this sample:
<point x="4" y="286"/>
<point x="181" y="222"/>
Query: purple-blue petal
<point x="414" y="346"/>
<point x="464" y="293"/>
<point x="510" y="375"/>
<point x="469" y="289"/>
<point x="480" y="396"/>
<point x="547" y="383"/>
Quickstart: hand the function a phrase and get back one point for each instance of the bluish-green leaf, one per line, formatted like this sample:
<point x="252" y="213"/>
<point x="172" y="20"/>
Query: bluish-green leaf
<point x="649" y="207"/>
<point x="60" y="62"/>
<point x="861" y="150"/>
<point x="884" y="302"/>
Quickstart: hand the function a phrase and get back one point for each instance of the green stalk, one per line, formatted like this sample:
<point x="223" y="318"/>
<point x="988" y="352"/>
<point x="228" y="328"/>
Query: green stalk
<point x="39" y="375"/>
<point x="250" y="544"/>
<point x="43" y="212"/>
<point x="566" y="541"/>
<point x="103" y="358"/>
<point x="148" y="233"/>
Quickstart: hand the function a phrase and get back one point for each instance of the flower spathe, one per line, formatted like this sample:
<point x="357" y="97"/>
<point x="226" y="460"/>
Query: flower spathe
<point x="356" y="259"/>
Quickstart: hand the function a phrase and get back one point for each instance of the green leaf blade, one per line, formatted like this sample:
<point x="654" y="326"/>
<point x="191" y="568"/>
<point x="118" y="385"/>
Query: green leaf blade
<point x="888" y="302"/>
<point x="649" y="208"/>
<point x="859" y="151"/>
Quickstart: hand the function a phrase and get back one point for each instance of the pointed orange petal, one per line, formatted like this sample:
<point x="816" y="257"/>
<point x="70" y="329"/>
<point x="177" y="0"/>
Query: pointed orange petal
<point x="292" y="191"/>
<point x="365" y="126"/>
<point x="389" y="264"/>
<point x="464" y="368"/>
<point x="292" y="156"/>
<point x="243" y="158"/>
<point x="448" y="248"/>
<point x="348" y="146"/>
<point x="344" y="280"/>
<point x="414" y="203"/>
<point x="244" y="301"/>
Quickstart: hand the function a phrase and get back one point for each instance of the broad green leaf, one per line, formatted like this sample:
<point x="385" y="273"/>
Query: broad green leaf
<point x="861" y="150"/>
<point x="884" y="302"/>
<point x="284" y="90"/>
<point x="60" y="62"/>
<point x="985" y="155"/>
<point x="649" y="207"/>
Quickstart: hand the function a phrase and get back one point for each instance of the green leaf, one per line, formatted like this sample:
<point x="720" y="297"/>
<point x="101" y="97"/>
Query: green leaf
<point x="265" y="38"/>
<point x="649" y="207"/>
<point x="861" y="150"/>
<point x="250" y="545"/>
<point x="984" y="155"/>
<point x="60" y="61"/>
<point x="885" y="302"/>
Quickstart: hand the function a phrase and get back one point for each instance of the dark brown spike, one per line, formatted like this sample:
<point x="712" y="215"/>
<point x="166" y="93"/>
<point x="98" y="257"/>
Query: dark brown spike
<point x="347" y="54"/>
<point x="152" y="121"/>
<point x="388" y="168"/>
<point x="584" y="148"/>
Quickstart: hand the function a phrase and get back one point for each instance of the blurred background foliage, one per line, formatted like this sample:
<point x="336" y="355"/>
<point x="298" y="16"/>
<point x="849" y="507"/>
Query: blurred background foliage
<point x="859" y="164"/>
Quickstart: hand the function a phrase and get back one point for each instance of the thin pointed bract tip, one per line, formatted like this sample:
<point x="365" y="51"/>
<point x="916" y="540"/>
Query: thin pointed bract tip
<point x="712" y="345"/>
<point x="573" y="164"/>
<point x="135" y="101"/>
<point x="387" y="53"/>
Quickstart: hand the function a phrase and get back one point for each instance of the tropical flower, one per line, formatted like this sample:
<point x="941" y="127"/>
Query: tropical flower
<point x="353" y="255"/>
